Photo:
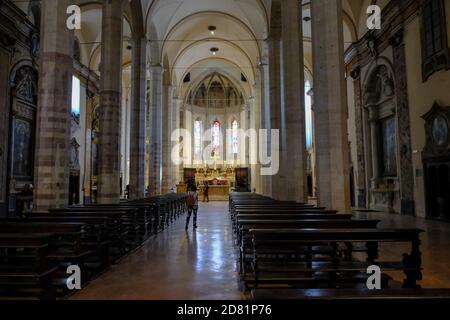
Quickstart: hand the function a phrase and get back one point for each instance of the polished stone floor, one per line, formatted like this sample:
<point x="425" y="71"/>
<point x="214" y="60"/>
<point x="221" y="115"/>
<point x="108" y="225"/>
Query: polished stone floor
<point x="177" y="264"/>
<point x="435" y="247"/>
<point x="200" y="264"/>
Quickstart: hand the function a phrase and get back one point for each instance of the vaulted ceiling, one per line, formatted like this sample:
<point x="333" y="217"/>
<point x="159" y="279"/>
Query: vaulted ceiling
<point x="180" y="40"/>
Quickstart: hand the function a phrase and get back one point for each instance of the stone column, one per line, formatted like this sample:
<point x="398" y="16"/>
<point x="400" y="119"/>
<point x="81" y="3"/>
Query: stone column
<point x="88" y="150"/>
<point x="277" y="188"/>
<point x="403" y="125"/>
<point x="54" y="107"/>
<point x="264" y="89"/>
<point x="166" y="163"/>
<point x="138" y="119"/>
<point x="360" y="150"/>
<point x="176" y="169"/>
<point x="332" y="154"/>
<point x="110" y="104"/>
<point x="255" y="122"/>
<point x="155" y="130"/>
<point x="293" y="155"/>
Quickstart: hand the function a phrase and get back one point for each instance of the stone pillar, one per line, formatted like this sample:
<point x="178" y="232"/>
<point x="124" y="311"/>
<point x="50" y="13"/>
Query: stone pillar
<point x="54" y="107"/>
<point x="264" y="89"/>
<point x="333" y="169"/>
<point x="255" y="122"/>
<point x="403" y="125"/>
<point x="110" y="104"/>
<point x="176" y="124"/>
<point x="155" y="130"/>
<point x="166" y="163"/>
<point x="293" y="153"/>
<point x="274" y="41"/>
<point x="125" y="134"/>
<point x="138" y="119"/>
<point x="88" y="150"/>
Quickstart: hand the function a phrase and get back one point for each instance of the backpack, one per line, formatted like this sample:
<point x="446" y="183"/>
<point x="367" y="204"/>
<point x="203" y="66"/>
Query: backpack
<point x="191" y="200"/>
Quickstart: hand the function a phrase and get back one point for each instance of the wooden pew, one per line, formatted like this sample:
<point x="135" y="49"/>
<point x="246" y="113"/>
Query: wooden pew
<point x="146" y="217"/>
<point x="244" y="225"/>
<point x="94" y="237"/>
<point x="244" y="238"/>
<point x="121" y="228"/>
<point x="24" y="267"/>
<point x="65" y="247"/>
<point x="359" y="294"/>
<point x="273" y="247"/>
<point x="271" y="211"/>
<point x="289" y="216"/>
<point x="168" y="207"/>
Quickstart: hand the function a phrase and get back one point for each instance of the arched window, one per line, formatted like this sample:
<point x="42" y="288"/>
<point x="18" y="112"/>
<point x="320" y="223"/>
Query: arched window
<point x="198" y="132"/>
<point x="216" y="137"/>
<point x="76" y="96"/>
<point x="235" y="137"/>
<point x="308" y="115"/>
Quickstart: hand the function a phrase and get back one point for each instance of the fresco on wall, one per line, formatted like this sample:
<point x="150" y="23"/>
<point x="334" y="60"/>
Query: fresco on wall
<point x="24" y="92"/>
<point x="22" y="166"/>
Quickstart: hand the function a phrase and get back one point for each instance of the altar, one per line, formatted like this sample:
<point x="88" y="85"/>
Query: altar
<point x="220" y="181"/>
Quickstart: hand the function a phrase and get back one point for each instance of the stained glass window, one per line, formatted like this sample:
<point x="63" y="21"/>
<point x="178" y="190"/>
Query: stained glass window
<point x="198" y="132"/>
<point x="75" y="95"/>
<point x="216" y="137"/>
<point x="308" y="115"/>
<point x="235" y="137"/>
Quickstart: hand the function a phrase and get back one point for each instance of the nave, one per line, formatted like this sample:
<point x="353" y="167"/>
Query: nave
<point x="176" y="264"/>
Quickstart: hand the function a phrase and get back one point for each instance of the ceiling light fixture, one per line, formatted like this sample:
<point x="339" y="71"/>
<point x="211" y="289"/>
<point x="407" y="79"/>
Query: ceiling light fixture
<point x="214" y="50"/>
<point x="212" y="29"/>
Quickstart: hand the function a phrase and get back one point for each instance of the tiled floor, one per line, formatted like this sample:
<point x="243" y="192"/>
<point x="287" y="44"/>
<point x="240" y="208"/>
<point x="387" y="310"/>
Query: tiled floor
<point x="201" y="264"/>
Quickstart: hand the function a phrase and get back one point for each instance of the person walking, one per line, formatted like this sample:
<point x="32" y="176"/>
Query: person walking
<point x="192" y="204"/>
<point x="206" y="192"/>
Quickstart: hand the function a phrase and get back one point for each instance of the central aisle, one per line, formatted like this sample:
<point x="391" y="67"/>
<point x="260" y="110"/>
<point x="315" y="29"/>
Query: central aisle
<point x="176" y="264"/>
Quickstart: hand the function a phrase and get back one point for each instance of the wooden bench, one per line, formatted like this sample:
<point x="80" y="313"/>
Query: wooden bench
<point x="24" y="267"/>
<point x="282" y="257"/>
<point x="65" y="248"/>
<point x="146" y="218"/>
<point x="350" y="294"/>
<point x="293" y="216"/>
<point x="244" y="225"/>
<point x="121" y="231"/>
<point x="91" y="236"/>
<point x="275" y="210"/>
<point x="244" y="238"/>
